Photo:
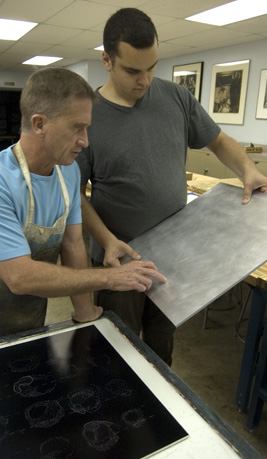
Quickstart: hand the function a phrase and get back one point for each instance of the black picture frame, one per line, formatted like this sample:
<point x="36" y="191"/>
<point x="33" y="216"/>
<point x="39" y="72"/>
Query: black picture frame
<point x="190" y="77"/>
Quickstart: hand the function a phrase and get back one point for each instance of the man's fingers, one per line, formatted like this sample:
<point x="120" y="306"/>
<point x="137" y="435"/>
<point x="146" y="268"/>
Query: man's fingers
<point x="246" y="195"/>
<point x="153" y="270"/>
<point x="142" y="288"/>
<point x="135" y="275"/>
<point x="133" y="254"/>
<point x="148" y="270"/>
<point x="156" y="275"/>
<point x="112" y="262"/>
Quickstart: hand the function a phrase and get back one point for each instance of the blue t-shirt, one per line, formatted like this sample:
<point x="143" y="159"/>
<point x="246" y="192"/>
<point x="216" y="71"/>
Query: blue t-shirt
<point x="48" y="199"/>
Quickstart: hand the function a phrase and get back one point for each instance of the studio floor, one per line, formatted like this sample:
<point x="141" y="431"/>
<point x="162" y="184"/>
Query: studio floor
<point x="207" y="359"/>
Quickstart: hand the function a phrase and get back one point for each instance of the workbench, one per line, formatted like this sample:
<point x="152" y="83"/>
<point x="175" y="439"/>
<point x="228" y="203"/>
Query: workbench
<point x="96" y="390"/>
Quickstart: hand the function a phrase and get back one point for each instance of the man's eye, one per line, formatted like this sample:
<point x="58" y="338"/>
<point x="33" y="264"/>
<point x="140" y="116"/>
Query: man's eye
<point x="132" y="72"/>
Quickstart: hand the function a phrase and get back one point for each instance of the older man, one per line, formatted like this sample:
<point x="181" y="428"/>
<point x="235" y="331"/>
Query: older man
<point x="40" y="209"/>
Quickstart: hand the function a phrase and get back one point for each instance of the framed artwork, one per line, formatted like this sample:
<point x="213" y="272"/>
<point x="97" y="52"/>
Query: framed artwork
<point x="262" y="97"/>
<point x="190" y="77"/>
<point x="228" y="92"/>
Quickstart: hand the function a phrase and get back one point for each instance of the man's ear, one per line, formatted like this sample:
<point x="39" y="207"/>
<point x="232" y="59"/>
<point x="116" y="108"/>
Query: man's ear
<point x="106" y="61"/>
<point x="38" y="123"/>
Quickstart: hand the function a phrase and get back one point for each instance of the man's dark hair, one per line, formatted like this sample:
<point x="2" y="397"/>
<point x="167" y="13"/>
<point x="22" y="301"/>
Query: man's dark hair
<point x="131" y="26"/>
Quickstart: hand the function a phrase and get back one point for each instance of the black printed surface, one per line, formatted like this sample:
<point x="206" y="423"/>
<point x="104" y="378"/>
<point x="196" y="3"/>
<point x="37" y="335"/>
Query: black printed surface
<point x="71" y="395"/>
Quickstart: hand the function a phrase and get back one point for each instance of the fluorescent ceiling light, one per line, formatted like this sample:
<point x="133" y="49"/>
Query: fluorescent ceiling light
<point x="236" y="11"/>
<point x="42" y="60"/>
<point x="100" y="48"/>
<point x="13" y="30"/>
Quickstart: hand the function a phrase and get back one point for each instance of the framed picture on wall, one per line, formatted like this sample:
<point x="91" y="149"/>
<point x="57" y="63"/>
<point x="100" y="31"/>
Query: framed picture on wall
<point x="189" y="76"/>
<point x="262" y="97"/>
<point x="228" y="92"/>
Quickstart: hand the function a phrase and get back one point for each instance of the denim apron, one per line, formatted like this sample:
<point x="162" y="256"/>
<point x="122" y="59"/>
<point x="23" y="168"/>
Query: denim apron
<point x="23" y="312"/>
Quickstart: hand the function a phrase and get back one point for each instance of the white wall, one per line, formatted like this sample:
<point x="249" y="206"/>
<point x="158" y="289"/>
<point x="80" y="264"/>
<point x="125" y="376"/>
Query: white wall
<point x="253" y="130"/>
<point x="92" y="71"/>
<point x="18" y="78"/>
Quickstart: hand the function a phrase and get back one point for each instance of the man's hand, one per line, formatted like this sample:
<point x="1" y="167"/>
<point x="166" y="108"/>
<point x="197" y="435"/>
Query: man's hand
<point x="116" y="250"/>
<point x="253" y="180"/>
<point x="135" y="275"/>
<point x="233" y="155"/>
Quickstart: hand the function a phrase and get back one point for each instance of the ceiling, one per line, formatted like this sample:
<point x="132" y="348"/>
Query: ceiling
<point x="72" y="28"/>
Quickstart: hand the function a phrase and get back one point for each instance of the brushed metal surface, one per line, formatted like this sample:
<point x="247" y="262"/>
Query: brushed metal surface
<point x="205" y="249"/>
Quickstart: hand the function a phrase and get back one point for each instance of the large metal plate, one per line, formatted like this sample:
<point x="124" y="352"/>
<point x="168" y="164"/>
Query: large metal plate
<point x="205" y="249"/>
<point x="78" y="395"/>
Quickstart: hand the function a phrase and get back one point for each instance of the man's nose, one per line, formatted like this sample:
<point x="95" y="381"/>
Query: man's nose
<point x="143" y="79"/>
<point x="83" y="138"/>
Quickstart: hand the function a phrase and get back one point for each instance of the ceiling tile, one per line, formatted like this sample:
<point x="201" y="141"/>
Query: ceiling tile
<point x="33" y="10"/>
<point x="11" y="59"/>
<point x="31" y="49"/>
<point x="81" y="14"/>
<point x="167" y="48"/>
<point x="5" y="44"/>
<point x="180" y="28"/>
<point x="45" y="33"/>
<point x="253" y="25"/>
<point x="121" y="3"/>
<point x="180" y="8"/>
<point x="85" y="39"/>
<point x="64" y="51"/>
<point x="215" y="35"/>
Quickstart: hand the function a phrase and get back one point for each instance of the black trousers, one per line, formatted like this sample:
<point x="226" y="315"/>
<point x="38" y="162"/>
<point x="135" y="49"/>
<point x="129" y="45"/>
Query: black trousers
<point x="142" y="316"/>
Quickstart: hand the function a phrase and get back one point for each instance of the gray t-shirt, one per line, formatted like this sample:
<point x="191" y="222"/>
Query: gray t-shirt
<point x="137" y="155"/>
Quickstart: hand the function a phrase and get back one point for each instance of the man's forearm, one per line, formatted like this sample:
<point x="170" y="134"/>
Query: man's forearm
<point x="74" y="255"/>
<point x="231" y="154"/>
<point x="93" y="224"/>
<point x="50" y="281"/>
<point x="25" y="276"/>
